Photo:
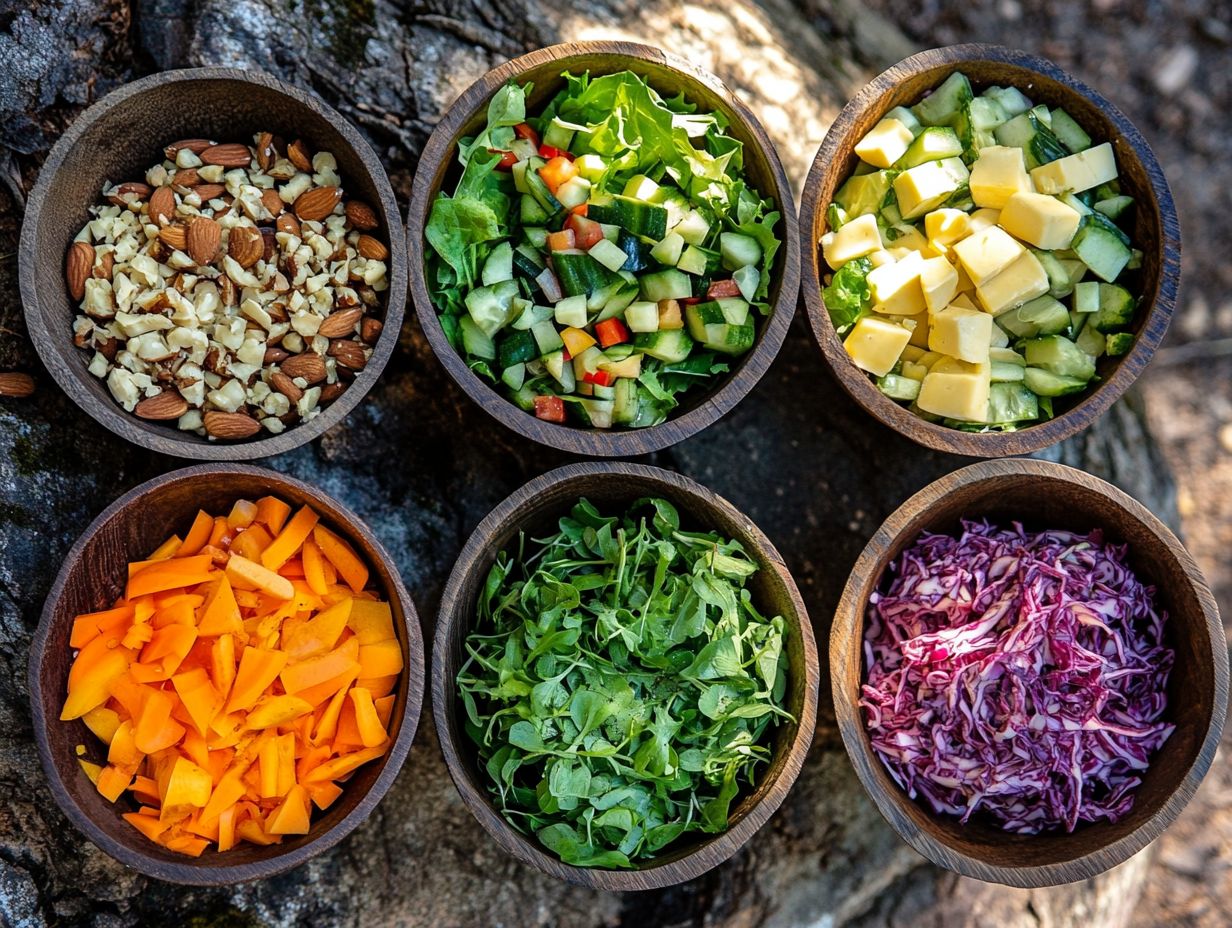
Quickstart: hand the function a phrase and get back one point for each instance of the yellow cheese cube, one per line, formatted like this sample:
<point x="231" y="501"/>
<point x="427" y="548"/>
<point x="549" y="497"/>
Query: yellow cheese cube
<point x="857" y="238"/>
<point x="961" y="333"/>
<point x="911" y="353"/>
<point x="914" y="371"/>
<point x="965" y="284"/>
<point x="911" y="238"/>
<point x="964" y="301"/>
<point x="946" y="226"/>
<point x="929" y="358"/>
<point x="875" y="344"/>
<point x="926" y="186"/>
<point x="1023" y="280"/>
<point x="939" y="281"/>
<point x="884" y="144"/>
<point x="919" y="335"/>
<point x="986" y="253"/>
<point x="878" y="258"/>
<point x="1042" y="220"/>
<point x="982" y="219"/>
<point x="1078" y="172"/>
<point x="896" y="287"/>
<point x="956" y="389"/>
<point x="998" y="173"/>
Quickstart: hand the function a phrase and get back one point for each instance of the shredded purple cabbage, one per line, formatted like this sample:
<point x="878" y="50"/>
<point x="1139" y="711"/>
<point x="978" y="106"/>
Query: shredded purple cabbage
<point x="1017" y="674"/>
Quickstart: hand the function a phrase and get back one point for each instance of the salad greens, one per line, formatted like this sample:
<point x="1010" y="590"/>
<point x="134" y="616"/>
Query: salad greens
<point x="620" y="684"/>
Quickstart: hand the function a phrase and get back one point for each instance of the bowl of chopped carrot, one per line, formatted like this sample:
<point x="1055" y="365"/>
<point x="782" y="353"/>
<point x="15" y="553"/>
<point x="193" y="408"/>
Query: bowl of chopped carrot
<point x="227" y="676"/>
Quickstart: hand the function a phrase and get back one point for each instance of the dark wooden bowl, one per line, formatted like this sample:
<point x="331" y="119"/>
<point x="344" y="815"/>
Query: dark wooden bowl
<point x="91" y="578"/>
<point x="119" y="137"/>
<point x="1155" y="230"/>
<point x="536" y="507"/>
<point x="1044" y="495"/>
<point x="670" y="75"/>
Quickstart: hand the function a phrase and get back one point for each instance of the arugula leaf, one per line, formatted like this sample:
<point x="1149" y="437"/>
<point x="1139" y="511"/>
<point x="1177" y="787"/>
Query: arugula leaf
<point x="847" y="296"/>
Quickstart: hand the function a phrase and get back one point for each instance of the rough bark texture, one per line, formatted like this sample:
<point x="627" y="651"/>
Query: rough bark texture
<point x="796" y="456"/>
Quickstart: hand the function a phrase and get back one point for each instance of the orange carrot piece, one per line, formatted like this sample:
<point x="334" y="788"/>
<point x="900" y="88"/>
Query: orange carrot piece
<point x="108" y="623"/>
<point x="350" y="568"/>
<point x="324" y="794"/>
<point x="301" y="675"/>
<point x="170" y="644"/>
<point x="129" y="694"/>
<point x="226" y="794"/>
<point x="292" y="816"/>
<point x="220" y="613"/>
<point x="371" y="621"/>
<point x="251" y="542"/>
<point x="170" y="574"/>
<point x="243" y="572"/>
<point x="189" y="845"/>
<point x="220" y="534"/>
<point x="342" y="765"/>
<point x="371" y="731"/>
<point x="268" y="762"/>
<point x="226" y="829"/>
<point x="199" y="696"/>
<point x="90" y="769"/>
<point x="155" y="729"/>
<point x="290" y="539"/>
<point x="258" y="669"/>
<point x="380" y="659"/>
<point x="195" y="749"/>
<point x="272" y="711"/>
<point x="103" y="722"/>
<point x="385" y="709"/>
<point x="379" y="686"/>
<point x="319" y="634"/>
<point x="112" y="782"/>
<point x="148" y="825"/>
<point x="148" y="673"/>
<point x="169" y="548"/>
<point x="198" y="534"/>
<point x="187" y="785"/>
<point x="146" y="790"/>
<point x="243" y="514"/>
<point x="348" y="736"/>
<point x="273" y="513"/>
<point x="90" y="679"/>
<point x="251" y="830"/>
<point x="181" y="610"/>
<point x="326" y="689"/>
<point x="314" y="567"/>
<point x="222" y="664"/>
<point x="286" y="762"/>
<point x="327" y="725"/>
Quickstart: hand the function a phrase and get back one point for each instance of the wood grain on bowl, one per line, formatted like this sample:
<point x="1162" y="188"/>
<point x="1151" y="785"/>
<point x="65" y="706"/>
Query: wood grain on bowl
<point x="93" y="575"/>
<point x="1045" y="495"/>
<point x="1155" y="230"/>
<point x="669" y="75"/>
<point x="119" y="138"/>
<point x="537" y="506"/>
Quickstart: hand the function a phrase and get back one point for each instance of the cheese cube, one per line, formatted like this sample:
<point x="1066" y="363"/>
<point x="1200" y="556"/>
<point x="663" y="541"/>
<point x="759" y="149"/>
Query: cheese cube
<point x="919" y="334"/>
<point x="878" y="258"/>
<point x="939" y="281"/>
<point x="875" y="344"/>
<point x="946" y="226"/>
<point x="885" y="143"/>
<point x="965" y="284"/>
<point x="926" y="186"/>
<point x="896" y="287"/>
<point x="857" y="238"/>
<point x="912" y="239"/>
<point x="986" y="253"/>
<point x="911" y="353"/>
<point x="1023" y="280"/>
<point x="961" y="333"/>
<point x="1078" y="172"/>
<point x="964" y="301"/>
<point x="998" y="173"/>
<point x="913" y="370"/>
<point x="1042" y="220"/>
<point x="956" y="389"/>
<point x="982" y="219"/>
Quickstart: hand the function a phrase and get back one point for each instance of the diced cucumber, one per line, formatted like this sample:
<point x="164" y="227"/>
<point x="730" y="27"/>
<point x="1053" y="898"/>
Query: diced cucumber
<point x="1116" y="308"/>
<point x="738" y="250"/>
<point x="546" y="337"/>
<point x="1012" y="402"/>
<point x="514" y="376"/>
<point x="669" y="284"/>
<point x="531" y="211"/>
<point x="668" y="345"/>
<point x="537" y="237"/>
<point x="624" y="402"/>
<point x="1060" y="356"/>
<point x="588" y="361"/>
<point x="1068" y="132"/>
<point x="1086" y="297"/>
<point x="530" y="315"/>
<point x="596" y="412"/>
<point x="561" y="370"/>
<point x="1135" y="259"/>
<point x="571" y="311"/>
<point x="642" y="316"/>
<point x="1119" y="343"/>
<point x="611" y="232"/>
<point x="573" y="192"/>
<point x="635" y="216"/>
<point x="516" y="347"/>
<point x="527" y="261"/>
<point x="524" y="397"/>
<point x="579" y="273"/>
<point x="997" y="337"/>
<point x="559" y="134"/>
<point x="906" y="117"/>
<point x="1101" y="247"/>
<point x="1005" y="372"/>
<point x="599" y="297"/>
<point x="1115" y="206"/>
<point x="945" y="101"/>
<point x="539" y="189"/>
<point x="1006" y="356"/>
<point x="491" y="307"/>
<point x="523" y="149"/>
<point x="987" y="113"/>
<point x="669" y="250"/>
<point x="1092" y="341"/>
<point x="1011" y="99"/>
<point x="711" y="324"/>
<point x="608" y="254"/>
<point x="932" y="144"/>
<point x="693" y="227"/>
<point x="897" y="387"/>
<point x="641" y="187"/>
<point x="518" y="172"/>
<point x="475" y="340"/>
<point x="637" y="253"/>
<point x="499" y="266"/>
<point x="1075" y="202"/>
<point x="734" y="309"/>
<point x="1042" y="316"/>
<point x="864" y="193"/>
<point x="699" y="261"/>
<point x="1046" y="383"/>
<point x="747" y="279"/>
<point x="1059" y="282"/>
<point x="1028" y="132"/>
<point x="590" y="166"/>
<point x="616" y="304"/>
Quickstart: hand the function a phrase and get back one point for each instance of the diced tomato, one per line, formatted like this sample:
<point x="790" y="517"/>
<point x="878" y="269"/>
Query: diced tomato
<point x="550" y="408"/>
<point x="556" y="172"/>
<point x="581" y="209"/>
<point x="524" y="130"/>
<point x="586" y="232"/>
<point x="690" y="300"/>
<point x="507" y="159"/>
<point x="723" y="289"/>
<point x="567" y="355"/>
<point x="598" y="378"/>
<point x="611" y="332"/>
<point x="563" y="240"/>
<point x="549" y="151"/>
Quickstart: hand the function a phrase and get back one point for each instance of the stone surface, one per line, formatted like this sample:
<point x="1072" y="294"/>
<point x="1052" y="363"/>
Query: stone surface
<point x="796" y="456"/>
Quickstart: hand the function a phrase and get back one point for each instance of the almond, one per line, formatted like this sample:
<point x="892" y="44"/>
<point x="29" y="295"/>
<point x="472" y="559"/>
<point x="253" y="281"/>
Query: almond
<point x="289" y="224"/>
<point x="370" y="330"/>
<point x="269" y="244"/>
<point x="162" y="406"/>
<point x="360" y="215"/>
<point x="208" y="192"/>
<point x="162" y="205"/>
<point x="275" y="355"/>
<point x="231" y="155"/>
<point x="340" y="323"/>
<point x="286" y="386"/>
<point x="105" y="265"/>
<point x="203" y="239"/>
<point x="77" y="268"/>
<point x="272" y="202"/>
<point x="246" y="246"/>
<point x="309" y="365"/>
<point x="315" y="204"/>
<point x="298" y="155"/>
<point x="265" y="150"/>
<point x="230" y="425"/>
<point x="121" y="196"/>
<point x="226" y="290"/>
<point x="13" y="383"/>
<point x="174" y="237"/>
<point x="196" y="146"/>
<point x="371" y="248"/>
<point x="330" y="392"/>
<point x="186" y="177"/>
<point x="348" y="353"/>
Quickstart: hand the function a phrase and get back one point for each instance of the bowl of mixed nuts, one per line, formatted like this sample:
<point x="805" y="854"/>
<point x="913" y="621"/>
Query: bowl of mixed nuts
<point x="212" y="264"/>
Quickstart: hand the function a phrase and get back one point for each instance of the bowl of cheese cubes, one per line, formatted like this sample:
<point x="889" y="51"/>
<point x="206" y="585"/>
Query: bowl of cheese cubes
<point x="996" y="251"/>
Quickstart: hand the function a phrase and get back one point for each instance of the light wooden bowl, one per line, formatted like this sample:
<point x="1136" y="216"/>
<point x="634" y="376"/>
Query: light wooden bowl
<point x="1155" y="230"/>
<point x="115" y="140"/>
<point x="536" y="507"/>
<point x="1044" y="495"/>
<point x="670" y="75"/>
<point x="91" y="578"/>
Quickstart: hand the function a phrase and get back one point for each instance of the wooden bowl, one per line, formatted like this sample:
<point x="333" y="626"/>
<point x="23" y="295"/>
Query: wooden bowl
<point x="1155" y="230"/>
<point x="670" y="75"/>
<point x="535" y="508"/>
<point x="1044" y="495"/>
<point x="119" y="137"/>
<point x="90" y="579"/>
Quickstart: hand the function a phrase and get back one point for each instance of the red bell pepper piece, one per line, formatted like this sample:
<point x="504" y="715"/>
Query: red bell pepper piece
<point x="598" y="378"/>
<point x="564" y="240"/>
<point x="586" y="232"/>
<point x="507" y="159"/>
<point x="723" y="289"/>
<point x="550" y="151"/>
<point x="690" y="300"/>
<point x="556" y="172"/>
<point x="581" y="209"/>
<point x="611" y="332"/>
<point x="524" y="130"/>
<point x="550" y="408"/>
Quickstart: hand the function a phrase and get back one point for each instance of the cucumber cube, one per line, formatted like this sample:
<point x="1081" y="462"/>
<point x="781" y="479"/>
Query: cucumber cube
<point x="738" y="250"/>
<point x="945" y="101"/>
<point x="608" y="254"/>
<point x="1116" y="308"/>
<point x="670" y="284"/>
<point x="693" y="228"/>
<point x="519" y="176"/>
<point x="590" y="166"/>
<point x="1060" y="356"/>
<point x="1119" y="343"/>
<point x="695" y="260"/>
<point x="747" y="279"/>
<point x="1011" y="99"/>
<point x="1086" y="297"/>
<point x="559" y="134"/>
<point x="1012" y="402"/>
<point x="491" y="307"/>
<point x="573" y="192"/>
<point x="499" y="266"/>
<point x="1046" y="383"/>
<point x="669" y="250"/>
<point x="642" y="316"/>
<point x="1068" y="132"/>
<point x="546" y="337"/>
<point x="932" y="144"/>
<point x="906" y="117"/>
<point x="897" y="387"/>
<point x="571" y="311"/>
<point x="667" y="345"/>
<point x="514" y="376"/>
<point x="1100" y="248"/>
<point x="641" y="187"/>
<point x="475" y="341"/>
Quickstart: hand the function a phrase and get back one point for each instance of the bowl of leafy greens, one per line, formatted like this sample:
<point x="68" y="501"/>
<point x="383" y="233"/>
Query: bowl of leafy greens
<point x="604" y="248"/>
<point x="624" y="676"/>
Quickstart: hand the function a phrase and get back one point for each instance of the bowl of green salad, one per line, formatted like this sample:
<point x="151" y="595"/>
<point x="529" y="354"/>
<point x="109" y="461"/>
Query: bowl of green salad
<point x="995" y="253"/>
<point x="604" y="248"/>
<point x="624" y="676"/>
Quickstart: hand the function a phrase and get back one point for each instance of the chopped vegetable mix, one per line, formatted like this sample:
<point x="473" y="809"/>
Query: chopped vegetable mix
<point x="620" y="684"/>
<point x="607" y="252"/>
<point x="245" y="673"/>
<point x="1017" y="676"/>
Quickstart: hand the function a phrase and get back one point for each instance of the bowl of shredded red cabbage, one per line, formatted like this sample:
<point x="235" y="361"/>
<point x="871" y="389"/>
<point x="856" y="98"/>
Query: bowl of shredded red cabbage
<point x="1016" y="677"/>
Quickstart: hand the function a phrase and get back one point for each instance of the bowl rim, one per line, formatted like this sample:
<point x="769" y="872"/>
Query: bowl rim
<point x="188" y="871"/>
<point x="596" y="442"/>
<point x="705" y="856"/>
<point x="1151" y="329"/>
<point x="51" y="344"/>
<point x="846" y="649"/>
